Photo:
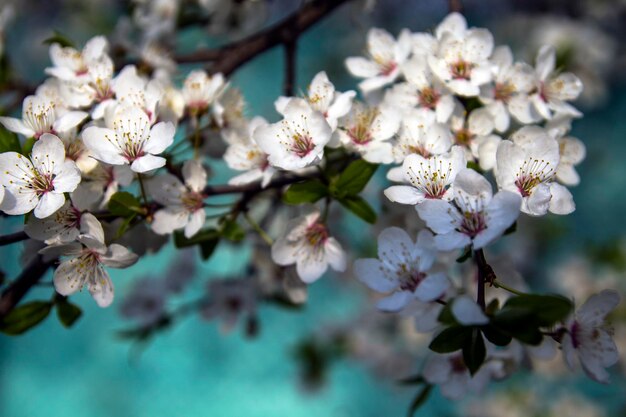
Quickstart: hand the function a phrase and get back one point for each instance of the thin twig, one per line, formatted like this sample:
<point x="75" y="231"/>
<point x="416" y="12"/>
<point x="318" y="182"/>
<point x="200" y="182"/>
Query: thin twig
<point x="13" y="238"/>
<point x="230" y="57"/>
<point x="16" y="291"/>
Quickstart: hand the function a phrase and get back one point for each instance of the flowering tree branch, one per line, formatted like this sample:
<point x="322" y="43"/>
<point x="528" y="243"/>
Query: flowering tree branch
<point x="12" y="238"/>
<point x="24" y="282"/>
<point x="230" y="57"/>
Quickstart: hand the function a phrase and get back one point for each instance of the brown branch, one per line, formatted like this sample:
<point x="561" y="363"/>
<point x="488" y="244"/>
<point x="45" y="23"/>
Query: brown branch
<point x="255" y="187"/>
<point x="290" y="68"/>
<point x="455" y="6"/>
<point x="485" y="276"/>
<point x="12" y="238"/>
<point x="16" y="291"/>
<point x="230" y="57"/>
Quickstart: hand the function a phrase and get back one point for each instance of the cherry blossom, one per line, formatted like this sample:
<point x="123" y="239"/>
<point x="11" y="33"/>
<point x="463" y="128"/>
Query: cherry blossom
<point x="40" y="181"/>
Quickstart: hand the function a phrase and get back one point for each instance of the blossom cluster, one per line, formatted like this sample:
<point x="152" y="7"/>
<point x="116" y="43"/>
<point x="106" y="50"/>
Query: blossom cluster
<point x="473" y="140"/>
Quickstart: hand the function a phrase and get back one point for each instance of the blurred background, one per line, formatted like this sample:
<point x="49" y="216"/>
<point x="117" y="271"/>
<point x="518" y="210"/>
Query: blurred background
<point x="333" y="356"/>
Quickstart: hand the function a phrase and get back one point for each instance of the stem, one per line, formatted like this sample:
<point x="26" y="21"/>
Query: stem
<point x="481" y="263"/>
<point x="196" y="137"/>
<point x="143" y="189"/>
<point x="290" y="67"/>
<point x="12" y="238"/>
<point x="507" y="288"/>
<point x="258" y="229"/>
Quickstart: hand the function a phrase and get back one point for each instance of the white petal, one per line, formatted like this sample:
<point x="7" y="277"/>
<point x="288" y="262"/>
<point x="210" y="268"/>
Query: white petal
<point x="467" y="312"/>
<point x="101" y="288"/>
<point x="369" y="272"/>
<point x="545" y="62"/>
<point x="361" y="67"/>
<point x="117" y="256"/>
<point x="432" y="287"/>
<point x="169" y="219"/>
<point x="500" y="214"/>
<point x="196" y="221"/>
<point x="194" y="175"/>
<point x="335" y="255"/>
<point x="562" y="201"/>
<point x="404" y="194"/>
<point x="68" y="178"/>
<point x="147" y="163"/>
<point x="101" y="143"/>
<point x="438" y="215"/>
<point x="17" y="126"/>
<point x="69" y="120"/>
<point x="597" y="307"/>
<point x="70" y="276"/>
<point x="395" y="302"/>
<point x="310" y="269"/>
<point x="161" y="136"/>
<point x="48" y="204"/>
<point x="452" y="240"/>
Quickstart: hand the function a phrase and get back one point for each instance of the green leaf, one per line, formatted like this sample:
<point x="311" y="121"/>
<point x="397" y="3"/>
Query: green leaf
<point x="207" y="248"/>
<point x="28" y="146"/>
<point x="305" y="192"/>
<point x="125" y="225"/>
<point x="547" y="310"/>
<point x="25" y="317"/>
<point x="451" y="339"/>
<point x="358" y="206"/>
<point x="446" y="316"/>
<point x="474" y="351"/>
<point x="206" y="235"/>
<point x="495" y="336"/>
<point x="59" y="38"/>
<point x="9" y="141"/>
<point x="467" y="254"/>
<point x="231" y="230"/>
<point x="124" y="204"/>
<point x="353" y="179"/>
<point x="67" y="312"/>
<point x="419" y="399"/>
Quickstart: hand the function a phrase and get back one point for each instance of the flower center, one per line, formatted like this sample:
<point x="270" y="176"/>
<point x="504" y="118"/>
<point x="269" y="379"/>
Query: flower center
<point x="192" y="201"/>
<point x="316" y="235"/>
<point x="461" y="70"/>
<point x="428" y="97"/>
<point x="301" y="145"/>
<point x="532" y="173"/>
<point x="361" y="131"/>
<point x="432" y="179"/>
<point x="463" y="137"/>
<point x="411" y="281"/>
<point x="504" y="91"/>
<point x="473" y="223"/>
<point x="40" y="118"/>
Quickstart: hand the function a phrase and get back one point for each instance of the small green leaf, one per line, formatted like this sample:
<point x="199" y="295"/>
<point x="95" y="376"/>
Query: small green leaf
<point x="67" y="312"/>
<point x="59" y="38"/>
<point x="9" y="141"/>
<point x="124" y="204"/>
<point x="419" y="399"/>
<point x="467" y="254"/>
<point x="495" y="336"/>
<point x="125" y="225"/>
<point x="231" y="230"/>
<point x="546" y="309"/>
<point x="305" y="192"/>
<point x="451" y="339"/>
<point x="206" y="235"/>
<point x="359" y="207"/>
<point x="28" y="146"/>
<point x="25" y="317"/>
<point x="207" y="248"/>
<point x="474" y="351"/>
<point x="353" y="179"/>
<point x="446" y="316"/>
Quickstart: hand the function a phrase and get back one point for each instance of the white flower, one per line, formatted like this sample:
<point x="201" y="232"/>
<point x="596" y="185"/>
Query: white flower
<point x="130" y="140"/>
<point x="527" y="166"/>
<point x="474" y="133"/>
<point x="429" y="178"/>
<point x="322" y="97"/>
<point x="589" y="336"/>
<point x="201" y="90"/>
<point x="421" y="134"/>
<point x="368" y="131"/>
<point x="461" y="61"/>
<point x="586" y="337"/>
<point x="572" y="152"/>
<point x="402" y="269"/>
<point x="454" y="379"/>
<point x="246" y="155"/>
<point x="61" y="227"/>
<point x="101" y="183"/>
<point x="478" y="218"/>
<point x="76" y="151"/>
<point x="184" y="203"/>
<point x="132" y="90"/>
<point x="39" y="116"/>
<point x="86" y="262"/>
<point x="306" y="242"/>
<point x="228" y="299"/>
<point x="39" y="182"/>
<point x="386" y="56"/>
<point x="72" y="65"/>
<point x="298" y="140"/>
<point x="512" y="82"/>
<point x="554" y="90"/>
<point x="422" y="89"/>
